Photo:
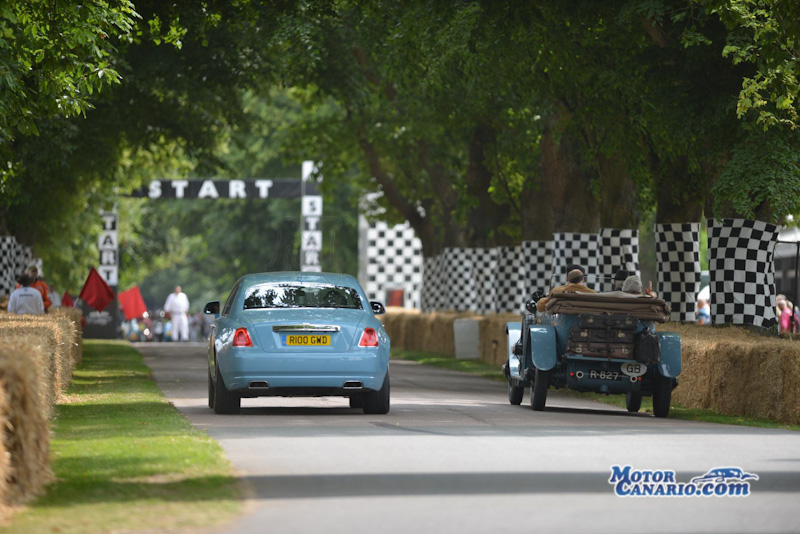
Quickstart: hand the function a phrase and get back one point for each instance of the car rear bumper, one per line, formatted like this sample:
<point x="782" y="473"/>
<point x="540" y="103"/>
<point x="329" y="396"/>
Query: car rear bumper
<point x="303" y="374"/>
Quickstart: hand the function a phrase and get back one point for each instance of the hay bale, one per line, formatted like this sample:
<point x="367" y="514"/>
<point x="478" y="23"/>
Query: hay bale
<point x="493" y="339"/>
<point x="426" y="332"/>
<point x="26" y="435"/>
<point x="5" y="457"/>
<point x="74" y="316"/>
<point x="52" y="354"/>
<point x="735" y="371"/>
<point x="63" y="330"/>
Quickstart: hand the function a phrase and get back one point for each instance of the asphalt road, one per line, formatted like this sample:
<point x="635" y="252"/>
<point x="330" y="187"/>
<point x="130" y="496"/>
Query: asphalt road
<point x="454" y="456"/>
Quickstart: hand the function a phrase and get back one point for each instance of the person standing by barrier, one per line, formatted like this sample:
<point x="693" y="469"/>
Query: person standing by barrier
<point x="37" y="283"/>
<point x="177" y="306"/>
<point x="26" y="299"/>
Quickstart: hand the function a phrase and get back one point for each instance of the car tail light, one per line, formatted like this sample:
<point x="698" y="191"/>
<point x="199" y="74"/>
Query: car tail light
<point x="241" y="338"/>
<point x="369" y="338"/>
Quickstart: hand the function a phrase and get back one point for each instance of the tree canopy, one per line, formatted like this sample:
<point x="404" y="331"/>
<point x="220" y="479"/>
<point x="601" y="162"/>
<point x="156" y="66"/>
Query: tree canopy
<point x="481" y="123"/>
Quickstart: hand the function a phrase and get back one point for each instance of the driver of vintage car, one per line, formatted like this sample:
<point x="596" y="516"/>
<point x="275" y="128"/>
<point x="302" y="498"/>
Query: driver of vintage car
<point x="576" y="283"/>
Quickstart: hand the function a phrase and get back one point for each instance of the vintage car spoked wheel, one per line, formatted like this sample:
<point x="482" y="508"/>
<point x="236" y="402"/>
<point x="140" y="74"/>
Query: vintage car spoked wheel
<point x="515" y="391"/>
<point x="541" y="382"/>
<point x="378" y="401"/>
<point x="210" y="391"/>
<point x="662" y="395"/>
<point x="633" y="401"/>
<point x="225" y="402"/>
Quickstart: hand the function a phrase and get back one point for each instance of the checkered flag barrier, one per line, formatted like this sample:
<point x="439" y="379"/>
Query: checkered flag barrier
<point x="457" y="281"/>
<point x="25" y="258"/>
<point x="510" y="282"/>
<point x="484" y="269"/>
<point x="575" y="248"/>
<point x="394" y="261"/>
<point x="619" y="249"/>
<point x="8" y="265"/>
<point x="742" y="269"/>
<point x="432" y="291"/>
<point x="538" y="257"/>
<point x="678" y="260"/>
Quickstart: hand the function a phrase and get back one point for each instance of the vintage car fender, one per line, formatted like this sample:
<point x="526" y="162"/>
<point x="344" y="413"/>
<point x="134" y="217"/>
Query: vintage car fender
<point x="670" y="364"/>
<point x="543" y="347"/>
<point x="515" y="368"/>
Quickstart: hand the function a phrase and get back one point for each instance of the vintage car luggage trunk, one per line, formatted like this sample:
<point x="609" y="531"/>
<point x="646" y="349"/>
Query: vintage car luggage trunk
<point x="602" y="350"/>
<point x="605" y="336"/>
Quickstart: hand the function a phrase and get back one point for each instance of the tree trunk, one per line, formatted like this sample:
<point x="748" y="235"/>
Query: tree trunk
<point x="565" y="184"/>
<point x="485" y="218"/>
<point x="619" y="206"/>
<point x="680" y="193"/>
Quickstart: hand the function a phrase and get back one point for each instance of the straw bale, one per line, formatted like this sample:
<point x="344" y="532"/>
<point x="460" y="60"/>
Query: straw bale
<point x="26" y="436"/>
<point x="493" y="339"/>
<point x="428" y="332"/>
<point x="53" y="358"/>
<point x="65" y="335"/>
<point x="5" y="459"/>
<point x="75" y="316"/>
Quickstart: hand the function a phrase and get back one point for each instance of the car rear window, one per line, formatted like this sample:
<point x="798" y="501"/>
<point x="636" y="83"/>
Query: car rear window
<point x="288" y="295"/>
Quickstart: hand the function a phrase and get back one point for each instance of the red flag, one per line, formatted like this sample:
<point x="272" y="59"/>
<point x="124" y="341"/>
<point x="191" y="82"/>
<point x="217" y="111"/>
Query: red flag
<point x="132" y="303"/>
<point x="66" y="300"/>
<point x="96" y="292"/>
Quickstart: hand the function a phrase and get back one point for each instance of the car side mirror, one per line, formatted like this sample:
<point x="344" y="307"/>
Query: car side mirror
<point x="212" y="308"/>
<point x="377" y="308"/>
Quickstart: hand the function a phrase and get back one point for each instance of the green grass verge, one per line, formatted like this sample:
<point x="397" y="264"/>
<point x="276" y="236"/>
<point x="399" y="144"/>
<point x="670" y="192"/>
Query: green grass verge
<point x="494" y="372"/>
<point x="125" y="459"/>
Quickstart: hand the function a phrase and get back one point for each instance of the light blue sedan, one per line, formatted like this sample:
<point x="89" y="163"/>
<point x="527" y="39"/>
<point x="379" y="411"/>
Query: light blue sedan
<point x="297" y="334"/>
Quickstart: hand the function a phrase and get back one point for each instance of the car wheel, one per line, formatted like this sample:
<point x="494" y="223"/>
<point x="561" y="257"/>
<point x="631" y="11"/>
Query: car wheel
<point x="225" y="402"/>
<point x="377" y="402"/>
<point x="662" y="395"/>
<point x="356" y="402"/>
<point x="210" y="391"/>
<point x="541" y="381"/>
<point x="515" y="391"/>
<point x="633" y="401"/>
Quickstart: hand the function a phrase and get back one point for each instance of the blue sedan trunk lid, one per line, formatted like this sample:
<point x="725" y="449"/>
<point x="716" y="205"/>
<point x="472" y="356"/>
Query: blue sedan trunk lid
<point x="270" y="328"/>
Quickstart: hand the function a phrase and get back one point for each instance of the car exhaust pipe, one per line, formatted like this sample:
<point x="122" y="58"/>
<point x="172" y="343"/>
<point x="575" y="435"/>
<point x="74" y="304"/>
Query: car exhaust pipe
<point x="353" y="384"/>
<point x="258" y="384"/>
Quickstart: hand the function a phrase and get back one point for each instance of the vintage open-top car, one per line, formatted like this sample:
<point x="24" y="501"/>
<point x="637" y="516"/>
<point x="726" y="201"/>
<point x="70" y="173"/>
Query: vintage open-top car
<point x="594" y="342"/>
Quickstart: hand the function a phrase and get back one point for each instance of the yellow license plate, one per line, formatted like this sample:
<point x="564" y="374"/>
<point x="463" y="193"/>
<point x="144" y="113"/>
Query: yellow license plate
<point x="307" y="340"/>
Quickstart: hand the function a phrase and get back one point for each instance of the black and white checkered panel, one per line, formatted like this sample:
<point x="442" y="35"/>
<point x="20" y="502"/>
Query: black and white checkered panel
<point x="742" y="269"/>
<point x="510" y="281"/>
<point x="678" y="261"/>
<point x="458" y="285"/>
<point x="8" y="265"/>
<point x="432" y="290"/>
<point x="619" y="249"/>
<point x="25" y="258"/>
<point x="484" y="275"/>
<point x="538" y="256"/>
<point x="575" y="248"/>
<point x="394" y="261"/>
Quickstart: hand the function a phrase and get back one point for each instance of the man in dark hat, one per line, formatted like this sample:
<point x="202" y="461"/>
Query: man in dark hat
<point x="576" y="283"/>
<point x="619" y="279"/>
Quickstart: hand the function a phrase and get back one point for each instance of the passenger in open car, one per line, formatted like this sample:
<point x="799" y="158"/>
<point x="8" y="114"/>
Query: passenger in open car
<point x="576" y="283"/>
<point x="633" y="285"/>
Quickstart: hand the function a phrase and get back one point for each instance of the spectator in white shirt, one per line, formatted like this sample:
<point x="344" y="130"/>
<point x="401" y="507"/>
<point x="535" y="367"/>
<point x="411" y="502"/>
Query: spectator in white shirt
<point x="177" y="306"/>
<point x="25" y="299"/>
